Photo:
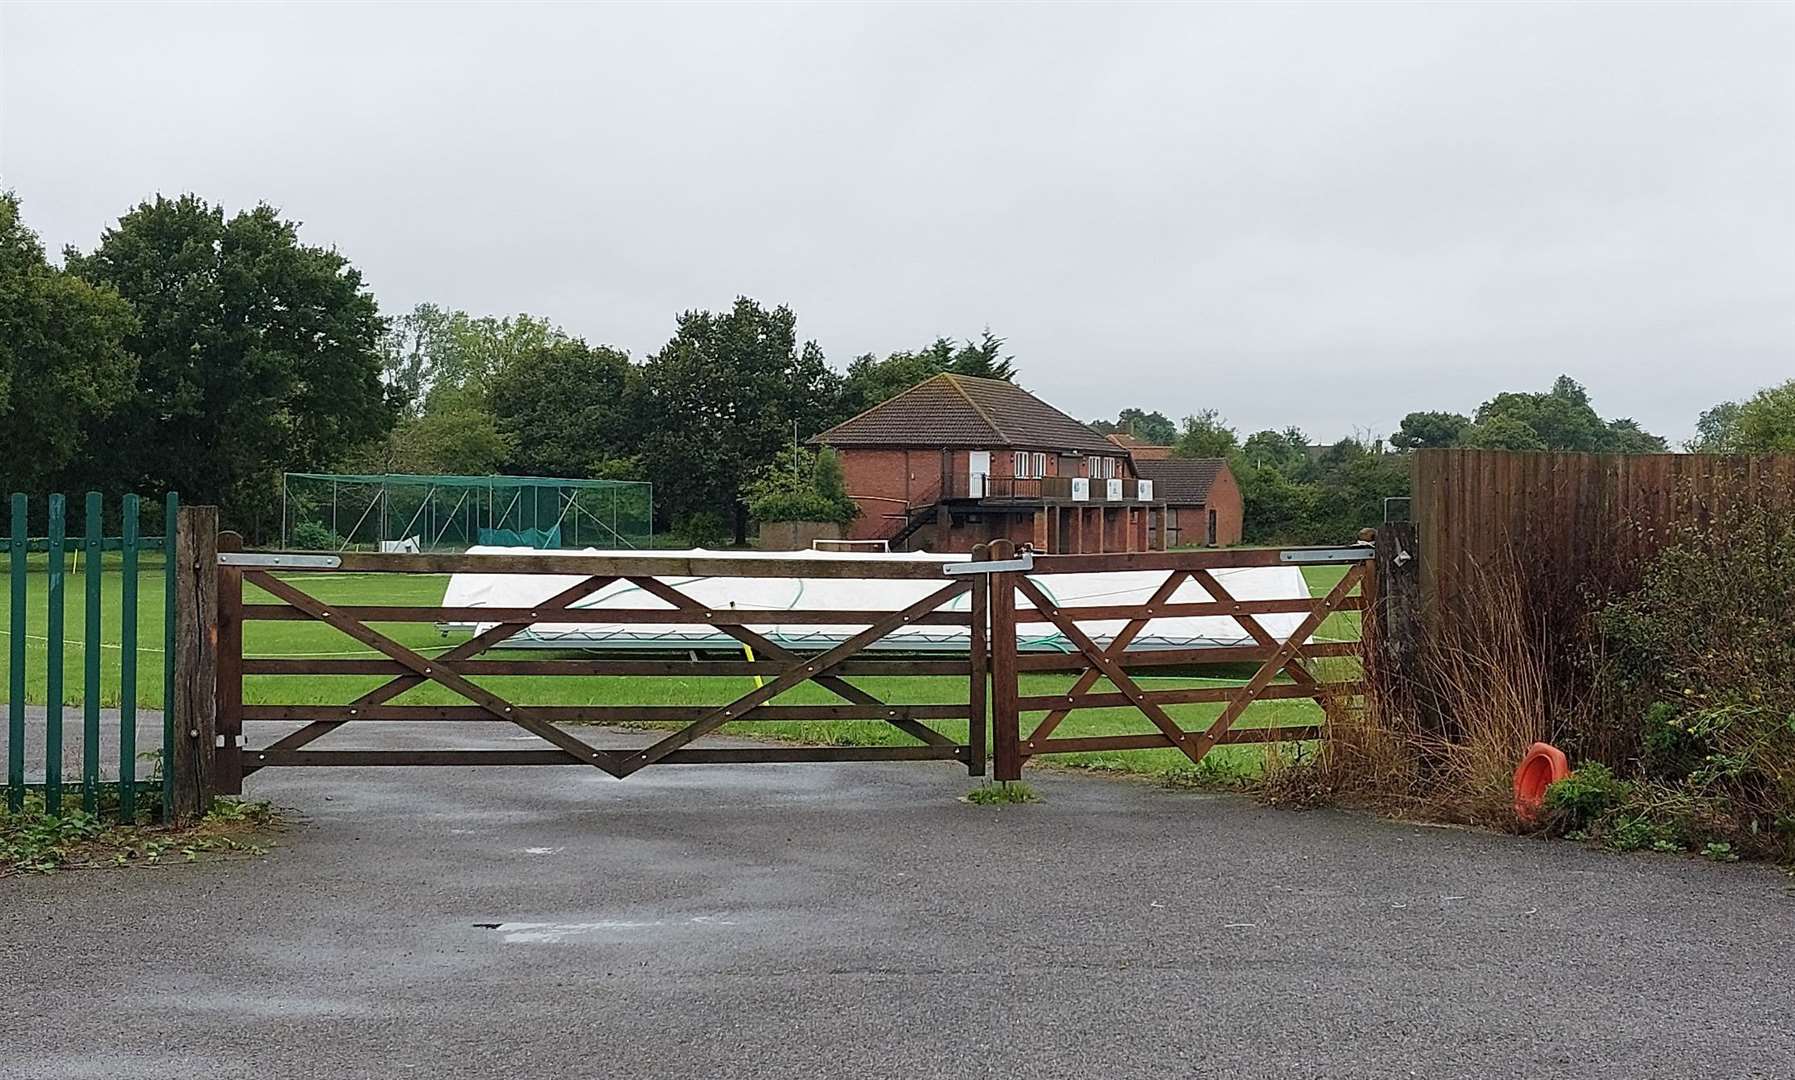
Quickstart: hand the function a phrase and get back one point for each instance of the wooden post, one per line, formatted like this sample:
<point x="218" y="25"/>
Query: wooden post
<point x="229" y="763"/>
<point x="978" y="702"/>
<point x="1392" y="623"/>
<point x="196" y="663"/>
<point x="1006" y="723"/>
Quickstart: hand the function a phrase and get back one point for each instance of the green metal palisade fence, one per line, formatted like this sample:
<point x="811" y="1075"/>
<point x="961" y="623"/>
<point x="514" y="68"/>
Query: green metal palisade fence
<point x="92" y="547"/>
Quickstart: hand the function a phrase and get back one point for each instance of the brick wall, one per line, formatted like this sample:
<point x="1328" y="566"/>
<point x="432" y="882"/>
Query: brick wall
<point x="1224" y="499"/>
<point x="884" y="482"/>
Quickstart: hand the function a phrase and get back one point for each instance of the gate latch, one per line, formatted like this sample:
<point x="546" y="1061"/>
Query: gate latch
<point x="1023" y="561"/>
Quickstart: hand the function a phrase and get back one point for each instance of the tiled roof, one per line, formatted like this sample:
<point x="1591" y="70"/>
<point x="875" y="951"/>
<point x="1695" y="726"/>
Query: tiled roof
<point x="963" y="411"/>
<point x="1139" y="450"/>
<point x="1181" y="481"/>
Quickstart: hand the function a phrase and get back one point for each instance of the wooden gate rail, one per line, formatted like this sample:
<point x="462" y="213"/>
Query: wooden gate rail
<point x="1289" y="658"/>
<point x="455" y="669"/>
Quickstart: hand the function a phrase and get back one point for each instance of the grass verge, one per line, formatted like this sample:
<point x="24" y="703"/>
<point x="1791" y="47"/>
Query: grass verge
<point x="34" y="842"/>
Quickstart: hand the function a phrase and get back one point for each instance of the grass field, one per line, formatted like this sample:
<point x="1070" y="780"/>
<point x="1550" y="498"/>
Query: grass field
<point x="295" y="639"/>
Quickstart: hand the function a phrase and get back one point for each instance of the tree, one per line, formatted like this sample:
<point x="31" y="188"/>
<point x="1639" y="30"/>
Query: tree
<point x="411" y="351"/>
<point x="1625" y="436"/>
<point x="567" y="408"/>
<point x="255" y="354"/>
<point x="63" y="362"/>
<point x="431" y="348"/>
<point x="1152" y="428"/>
<point x="1765" y="422"/>
<point x="1714" y="429"/>
<point x="1560" y="419"/>
<point x="722" y="397"/>
<point x="1427" y="430"/>
<point x="1205" y="436"/>
<point x="456" y="434"/>
<point x="871" y="380"/>
<point x="1505" y="432"/>
<point x="1352" y="480"/>
<point x="1274" y="506"/>
<point x="798" y="485"/>
<point x="1286" y="451"/>
<point x="985" y="360"/>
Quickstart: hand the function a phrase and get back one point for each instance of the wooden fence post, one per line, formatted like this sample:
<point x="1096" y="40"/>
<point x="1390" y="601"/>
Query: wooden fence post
<point x="979" y="655"/>
<point x="196" y="663"/>
<point x="1394" y="623"/>
<point x="230" y="672"/>
<point x="1006" y="723"/>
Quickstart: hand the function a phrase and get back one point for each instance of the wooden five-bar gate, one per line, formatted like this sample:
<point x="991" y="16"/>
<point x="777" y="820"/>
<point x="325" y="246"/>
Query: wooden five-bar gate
<point x="988" y="597"/>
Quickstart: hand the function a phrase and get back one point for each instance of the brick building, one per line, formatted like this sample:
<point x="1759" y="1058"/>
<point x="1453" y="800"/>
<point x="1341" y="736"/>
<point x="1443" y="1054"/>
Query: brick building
<point x="1203" y="506"/>
<point x="956" y="461"/>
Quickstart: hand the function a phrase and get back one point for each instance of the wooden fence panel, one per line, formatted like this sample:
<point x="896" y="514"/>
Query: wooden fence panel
<point x="1590" y="520"/>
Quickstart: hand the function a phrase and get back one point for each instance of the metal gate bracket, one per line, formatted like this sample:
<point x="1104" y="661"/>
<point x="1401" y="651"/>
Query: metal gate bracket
<point x="1024" y="561"/>
<point x="311" y="562"/>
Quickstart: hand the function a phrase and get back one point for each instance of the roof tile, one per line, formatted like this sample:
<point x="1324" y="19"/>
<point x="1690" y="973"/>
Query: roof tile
<point x="1180" y="481"/>
<point x="964" y="411"/>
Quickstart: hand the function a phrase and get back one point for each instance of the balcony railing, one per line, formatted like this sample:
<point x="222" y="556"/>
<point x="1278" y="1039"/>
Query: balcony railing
<point x="1059" y="488"/>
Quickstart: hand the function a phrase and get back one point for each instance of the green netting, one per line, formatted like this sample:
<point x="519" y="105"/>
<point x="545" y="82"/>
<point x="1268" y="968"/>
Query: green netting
<point x="342" y="512"/>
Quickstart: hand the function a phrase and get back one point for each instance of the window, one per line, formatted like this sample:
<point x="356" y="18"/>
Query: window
<point x="1100" y="468"/>
<point x="1030" y="466"/>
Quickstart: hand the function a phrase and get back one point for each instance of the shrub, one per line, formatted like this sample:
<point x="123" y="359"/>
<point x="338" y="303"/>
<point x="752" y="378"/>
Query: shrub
<point x="1584" y="797"/>
<point x="798" y="485"/>
<point x="312" y="536"/>
<point x="1702" y="651"/>
<point x="701" y="530"/>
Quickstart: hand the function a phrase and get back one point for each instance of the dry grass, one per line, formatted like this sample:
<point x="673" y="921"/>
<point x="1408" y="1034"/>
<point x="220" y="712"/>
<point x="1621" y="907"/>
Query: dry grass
<point x="1448" y="752"/>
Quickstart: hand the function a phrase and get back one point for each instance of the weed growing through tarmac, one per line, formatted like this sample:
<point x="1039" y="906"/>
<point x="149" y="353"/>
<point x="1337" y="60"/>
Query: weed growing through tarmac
<point x="1002" y="793"/>
<point x="35" y="842"/>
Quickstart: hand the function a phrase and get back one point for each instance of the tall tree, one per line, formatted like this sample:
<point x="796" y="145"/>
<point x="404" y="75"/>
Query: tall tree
<point x="1286" y="451"/>
<point x="411" y="353"/>
<point x="871" y="380"/>
<point x="1152" y="428"/>
<point x="1206" y="435"/>
<point x="456" y="434"/>
<point x="1560" y="419"/>
<point x="722" y="397"/>
<point x="567" y="409"/>
<point x="430" y="348"/>
<point x="985" y="359"/>
<point x="256" y="354"/>
<point x="1426" y="430"/>
<point x="63" y="363"/>
<point x="1763" y="423"/>
<point x="1714" y="429"/>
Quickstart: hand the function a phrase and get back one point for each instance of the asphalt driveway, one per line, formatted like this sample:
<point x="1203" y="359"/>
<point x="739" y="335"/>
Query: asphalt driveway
<point x="861" y="921"/>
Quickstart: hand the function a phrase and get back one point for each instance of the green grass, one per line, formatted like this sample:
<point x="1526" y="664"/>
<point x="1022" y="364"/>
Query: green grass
<point x="293" y="639"/>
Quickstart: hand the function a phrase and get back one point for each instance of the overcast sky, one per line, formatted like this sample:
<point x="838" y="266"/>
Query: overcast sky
<point x="1322" y="215"/>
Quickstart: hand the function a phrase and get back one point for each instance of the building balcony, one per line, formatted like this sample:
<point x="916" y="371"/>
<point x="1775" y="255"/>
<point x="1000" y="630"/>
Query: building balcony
<point x="1043" y="490"/>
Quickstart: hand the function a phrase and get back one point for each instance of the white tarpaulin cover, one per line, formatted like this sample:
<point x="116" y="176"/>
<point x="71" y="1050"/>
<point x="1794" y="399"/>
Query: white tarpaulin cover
<point x="863" y="594"/>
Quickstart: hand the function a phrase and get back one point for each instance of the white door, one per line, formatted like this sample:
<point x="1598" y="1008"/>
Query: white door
<point x="981" y="468"/>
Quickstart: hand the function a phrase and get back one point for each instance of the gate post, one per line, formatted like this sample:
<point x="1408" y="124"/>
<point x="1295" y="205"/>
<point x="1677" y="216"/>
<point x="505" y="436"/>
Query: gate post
<point x="1392" y="625"/>
<point x="193" y="769"/>
<point x="230" y="671"/>
<point x="1005" y="721"/>
<point x="979" y="654"/>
